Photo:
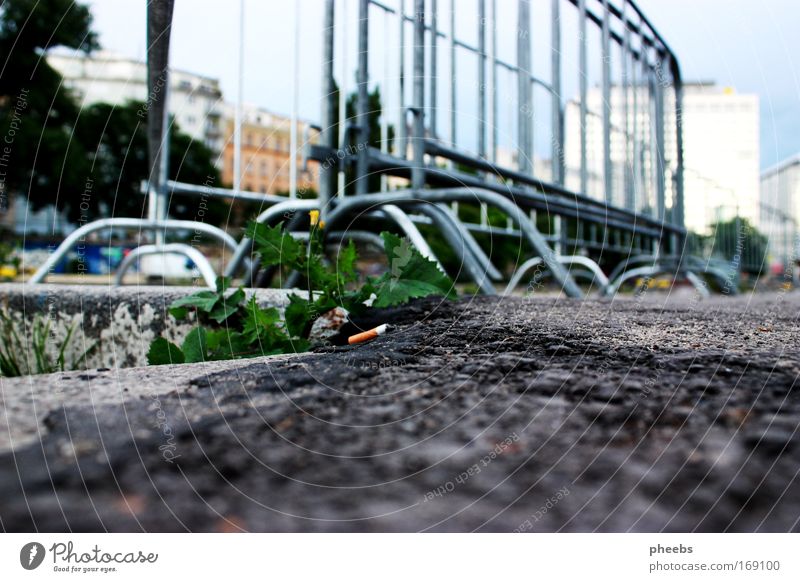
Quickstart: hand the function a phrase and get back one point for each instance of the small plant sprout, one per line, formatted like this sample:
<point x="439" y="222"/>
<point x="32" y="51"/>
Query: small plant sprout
<point x="230" y="326"/>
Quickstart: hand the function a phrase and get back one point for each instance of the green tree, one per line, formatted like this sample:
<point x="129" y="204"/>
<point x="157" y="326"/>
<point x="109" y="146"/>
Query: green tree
<point x="38" y="155"/>
<point x="740" y="243"/>
<point x="115" y="140"/>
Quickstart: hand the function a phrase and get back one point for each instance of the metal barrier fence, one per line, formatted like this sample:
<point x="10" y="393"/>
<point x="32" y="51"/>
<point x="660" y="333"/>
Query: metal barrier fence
<point x="561" y="116"/>
<point x="626" y="201"/>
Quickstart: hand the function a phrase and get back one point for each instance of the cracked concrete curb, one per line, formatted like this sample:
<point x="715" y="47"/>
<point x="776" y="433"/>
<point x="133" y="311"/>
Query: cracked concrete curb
<point x="122" y="320"/>
<point x="27" y="401"/>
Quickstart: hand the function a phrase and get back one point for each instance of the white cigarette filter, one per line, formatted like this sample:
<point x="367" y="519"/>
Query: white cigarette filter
<point x="368" y="335"/>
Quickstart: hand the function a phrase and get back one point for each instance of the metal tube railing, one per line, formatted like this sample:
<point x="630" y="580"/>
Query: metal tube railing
<point x="79" y="234"/>
<point x="413" y="197"/>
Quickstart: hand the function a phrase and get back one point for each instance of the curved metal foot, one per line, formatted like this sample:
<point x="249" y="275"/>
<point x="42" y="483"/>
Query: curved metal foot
<point x="478" y="270"/>
<point x="191" y="253"/>
<point x="586" y="262"/>
<point x="142" y="224"/>
<point x="655" y="270"/>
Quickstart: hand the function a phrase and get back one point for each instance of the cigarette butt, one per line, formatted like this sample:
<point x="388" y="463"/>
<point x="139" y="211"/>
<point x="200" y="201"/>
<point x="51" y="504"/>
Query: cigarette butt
<point x="367" y="335"/>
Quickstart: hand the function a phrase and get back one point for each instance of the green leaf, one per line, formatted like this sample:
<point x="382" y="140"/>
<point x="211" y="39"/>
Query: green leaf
<point x="203" y="301"/>
<point x="275" y="246"/>
<point x="410" y="275"/>
<point x="178" y="313"/>
<point x="258" y="321"/>
<point x="164" y="352"/>
<point x="353" y="301"/>
<point x="227" y="306"/>
<point x="195" y="347"/>
<point x="298" y="315"/>
<point x="346" y="264"/>
<point x="318" y="275"/>
<point x="222" y="284"/>
<point x="226" y="344"/>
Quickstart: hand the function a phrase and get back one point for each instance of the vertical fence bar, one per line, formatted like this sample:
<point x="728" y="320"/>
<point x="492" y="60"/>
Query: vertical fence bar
<point x="635" y="156"/>
<point x="660" y="169"/>
<point x="384" y="93"/>
<point x="453" y="73"/>
<point x="482" y="78"/>
<point x="652" y="197"/>
<point x="523" y="86"/>
<point x="626" y="86"/>
<point x="340" y="175"/>
<point x="556" y="116"/>
<point x="608" y="181"/>
<point x="163" y="170"/>
<point x="645" y="115"/>
<point x="237" y="122"/>
<point x="652" y="107"/>
<point x="493" y="81"/>
<point x="452" y="53"/>
<point x="434" y="68"/>
<point x="678" y="213"/>
<point x="295" y="95"/>
<point x="418" y="137"/>
<point x="583" y="72"/>
<point x="159" y="25"/>
<point x="362" y="164"/>
<point x="326" y="136"/>
<point x="558" y="235"/>
<point x="401" y="78"/>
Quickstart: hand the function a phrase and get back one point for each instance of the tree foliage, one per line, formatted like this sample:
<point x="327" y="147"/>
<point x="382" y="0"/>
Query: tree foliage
<point x="86" y="161"/>
<point x="38" y="113"/>
<point x="740" y="243"/>
<point x="115" y="141"/>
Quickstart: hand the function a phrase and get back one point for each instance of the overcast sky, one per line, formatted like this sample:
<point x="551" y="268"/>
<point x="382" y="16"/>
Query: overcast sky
<point x="751" y="45"/>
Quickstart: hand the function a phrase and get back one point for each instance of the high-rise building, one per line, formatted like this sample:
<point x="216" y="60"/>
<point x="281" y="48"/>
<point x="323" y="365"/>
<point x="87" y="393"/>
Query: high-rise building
<point x="780" y="209"/>
<point x="103" y="77"/>
<point x="721" y="155"/>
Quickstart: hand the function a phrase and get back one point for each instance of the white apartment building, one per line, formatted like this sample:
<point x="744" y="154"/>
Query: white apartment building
<point x="721" y="155"/>
<point x="780" y="209"/>
<point x="720" y="151"/>
<point x="194" y="100"/>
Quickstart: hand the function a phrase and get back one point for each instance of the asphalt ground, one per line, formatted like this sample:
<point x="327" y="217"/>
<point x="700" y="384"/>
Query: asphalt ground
<point x="657" y="413"/>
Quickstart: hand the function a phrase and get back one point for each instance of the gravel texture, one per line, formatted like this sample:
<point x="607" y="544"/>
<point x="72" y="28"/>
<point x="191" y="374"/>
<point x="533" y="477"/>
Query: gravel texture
<point x="485" y="414"/>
